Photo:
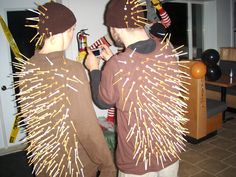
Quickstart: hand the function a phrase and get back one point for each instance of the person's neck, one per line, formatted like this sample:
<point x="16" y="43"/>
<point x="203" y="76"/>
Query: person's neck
<point x="49" y="50"/>
<point x="53" y="44"/>
<point x="134" y="36"/>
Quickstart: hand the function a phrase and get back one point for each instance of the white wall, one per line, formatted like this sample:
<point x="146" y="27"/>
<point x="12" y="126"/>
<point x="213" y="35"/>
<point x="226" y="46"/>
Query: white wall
<point x="217" y="24"/>
<point x="89" y="14"/>
<point x="3" y="140"/>
<point x="210" y="25"/>
<point x="224" y="23"/>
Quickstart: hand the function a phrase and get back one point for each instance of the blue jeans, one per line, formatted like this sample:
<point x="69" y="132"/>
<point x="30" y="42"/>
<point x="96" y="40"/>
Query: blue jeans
<point x="170" y="171"/>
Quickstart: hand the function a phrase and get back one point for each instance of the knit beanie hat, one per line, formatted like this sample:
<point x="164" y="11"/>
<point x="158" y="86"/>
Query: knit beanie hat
<point x="125" y="14"/>
<point x="54" y="18"/>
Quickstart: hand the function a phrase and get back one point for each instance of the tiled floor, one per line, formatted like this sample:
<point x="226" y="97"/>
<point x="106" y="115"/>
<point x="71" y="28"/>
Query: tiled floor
<point x="215" y="157"/>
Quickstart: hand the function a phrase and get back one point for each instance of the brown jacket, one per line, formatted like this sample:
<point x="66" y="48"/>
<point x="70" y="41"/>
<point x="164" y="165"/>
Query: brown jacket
<point x="145" y="89"/>
<point x="63" y="133"/>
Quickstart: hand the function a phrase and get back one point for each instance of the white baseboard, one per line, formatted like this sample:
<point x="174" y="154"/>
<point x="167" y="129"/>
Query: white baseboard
<point x="12" y="149"/>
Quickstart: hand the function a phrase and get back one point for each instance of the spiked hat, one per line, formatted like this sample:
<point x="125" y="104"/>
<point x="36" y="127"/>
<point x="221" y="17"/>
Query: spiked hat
<point x="53" y="18"/>
<point x="125" y="14"/>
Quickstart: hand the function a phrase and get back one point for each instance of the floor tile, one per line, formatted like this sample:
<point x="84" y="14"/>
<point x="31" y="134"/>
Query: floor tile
<point x="211" y="139"/>
<point x="203" y="146"/>
<point x="218" y="153"/>
<point x="228" y="134"/>
<point x="213" y="166"/>
<point x="234" y="139"/>
<point x="186" y="169"/>
<point x="203" y="174"/>
<point x="229" y="126"/>
<point x="189" y="146"/>
<point x="222" y="142"/>
<point x="231" y="161"/>
<point x="232" y="149"/>
<point x="229" y="172"/>
<point x="193" y="156"/>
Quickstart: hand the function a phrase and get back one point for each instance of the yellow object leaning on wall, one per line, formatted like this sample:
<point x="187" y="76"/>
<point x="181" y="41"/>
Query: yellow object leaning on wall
<point x="16" y="51"/>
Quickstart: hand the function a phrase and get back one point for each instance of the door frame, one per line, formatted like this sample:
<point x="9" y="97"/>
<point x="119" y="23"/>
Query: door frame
<point x="233" y="23"/>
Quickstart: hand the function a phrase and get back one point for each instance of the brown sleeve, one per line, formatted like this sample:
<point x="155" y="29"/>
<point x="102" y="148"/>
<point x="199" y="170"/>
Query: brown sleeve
<point x="107" y="90"/>
<point x="90" y="134"/>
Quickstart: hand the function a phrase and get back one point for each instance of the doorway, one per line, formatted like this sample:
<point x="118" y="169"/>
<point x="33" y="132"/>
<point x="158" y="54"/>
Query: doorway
<point x="234" y="22"/>
<point x="186" y="27"/>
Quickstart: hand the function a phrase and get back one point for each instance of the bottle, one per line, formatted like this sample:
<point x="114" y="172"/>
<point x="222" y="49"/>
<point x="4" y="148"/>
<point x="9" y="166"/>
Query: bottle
<point x="231" y="73"/>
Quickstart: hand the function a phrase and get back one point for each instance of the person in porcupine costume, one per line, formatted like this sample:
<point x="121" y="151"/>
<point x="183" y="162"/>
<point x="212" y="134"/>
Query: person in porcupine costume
<point x="156" y="28"/>
<point x="63" y="135"/>
<point x="145" y="84"/>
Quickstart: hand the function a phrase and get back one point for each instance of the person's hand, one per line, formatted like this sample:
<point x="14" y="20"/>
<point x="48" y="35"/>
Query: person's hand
<point x="106" y="52"/>
<point x="91" y="61"/>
